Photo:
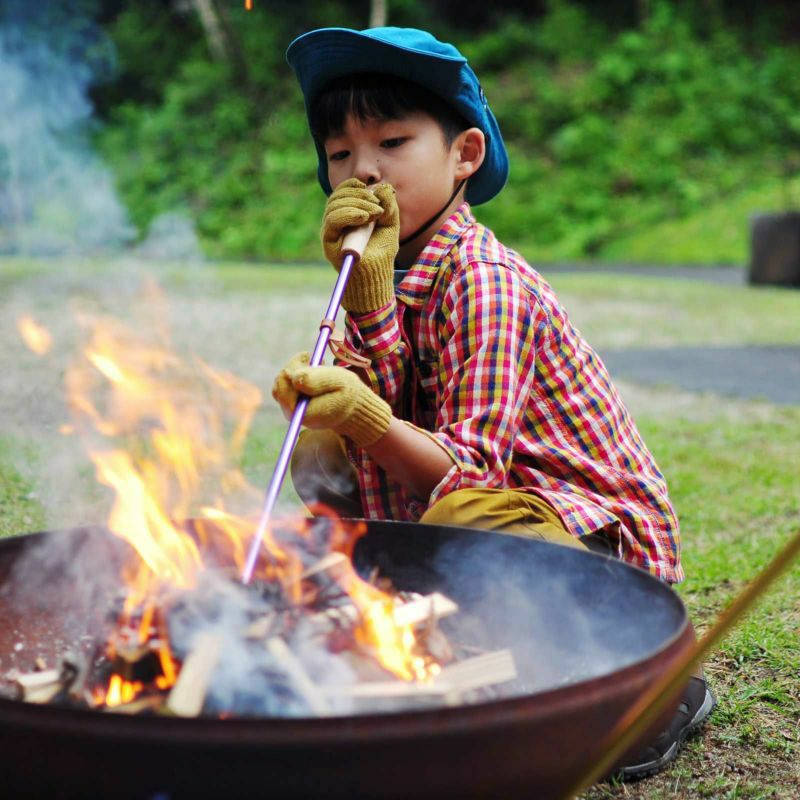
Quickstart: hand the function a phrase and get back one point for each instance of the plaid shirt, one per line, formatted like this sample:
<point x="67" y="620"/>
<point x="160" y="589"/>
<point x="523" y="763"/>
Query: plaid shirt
<point x="478" y="351"/>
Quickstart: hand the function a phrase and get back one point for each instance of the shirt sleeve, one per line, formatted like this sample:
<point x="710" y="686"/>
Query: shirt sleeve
<point x="486" y="374"/>
<point x="376" y="335"/>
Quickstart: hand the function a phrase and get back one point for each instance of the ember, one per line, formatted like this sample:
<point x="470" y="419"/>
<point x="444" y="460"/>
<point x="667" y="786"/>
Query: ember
<point x="308" y="636"/>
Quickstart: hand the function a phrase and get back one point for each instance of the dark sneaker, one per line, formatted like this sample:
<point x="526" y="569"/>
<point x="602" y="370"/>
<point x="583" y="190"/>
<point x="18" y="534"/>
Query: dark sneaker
<point x="696" y="705"/>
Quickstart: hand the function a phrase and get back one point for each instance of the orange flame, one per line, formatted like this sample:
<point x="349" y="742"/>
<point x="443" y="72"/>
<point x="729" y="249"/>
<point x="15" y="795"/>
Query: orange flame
<point x="168" y="432"/>
<point x="166" y="436"/>
<point x="35" y="336"/>
<point x="393" y="644"/>
<point x="121" y="691"/>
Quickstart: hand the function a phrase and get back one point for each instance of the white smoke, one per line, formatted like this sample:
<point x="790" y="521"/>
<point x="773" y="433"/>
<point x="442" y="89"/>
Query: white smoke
<point x="56" y="197"/>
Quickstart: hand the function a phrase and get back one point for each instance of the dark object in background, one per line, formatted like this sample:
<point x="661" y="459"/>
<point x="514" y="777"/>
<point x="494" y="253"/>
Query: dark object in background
<point x="775" y="249"/>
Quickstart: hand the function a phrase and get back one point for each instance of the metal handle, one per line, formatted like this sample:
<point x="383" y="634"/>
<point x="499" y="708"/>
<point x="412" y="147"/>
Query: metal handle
<point x="354" y="242"/>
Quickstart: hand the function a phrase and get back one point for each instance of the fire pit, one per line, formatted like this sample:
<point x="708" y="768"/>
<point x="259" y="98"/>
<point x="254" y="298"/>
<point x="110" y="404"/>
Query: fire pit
<point x="588" y="635"/>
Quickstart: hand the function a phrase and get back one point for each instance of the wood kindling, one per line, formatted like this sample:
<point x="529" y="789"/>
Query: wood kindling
<point x="448" y="687"/>
<point x="422" y="609"/>
<point x="189" y="693"/>
<point x="39" y="687"/>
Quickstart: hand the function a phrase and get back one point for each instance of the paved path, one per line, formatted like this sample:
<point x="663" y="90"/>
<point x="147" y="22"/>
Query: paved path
<point x="755" y="372"/>
<point x="722" y="274"/>
<point x="769" y="373"/>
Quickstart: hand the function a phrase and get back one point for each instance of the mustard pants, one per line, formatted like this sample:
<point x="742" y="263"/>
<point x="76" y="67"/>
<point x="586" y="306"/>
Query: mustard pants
<point x="321" y="473"/>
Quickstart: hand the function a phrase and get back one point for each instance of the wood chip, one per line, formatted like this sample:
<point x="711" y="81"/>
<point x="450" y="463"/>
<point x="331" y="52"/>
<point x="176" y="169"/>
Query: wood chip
<point x="431" y="606"/>
<point x="332" y="565"/>
<point x="36" y="680"/>
<point x="475" y="673"/>
<point x="447" y="688"/>
<point x="189" y="693"/>
<point x="424" y="609"/>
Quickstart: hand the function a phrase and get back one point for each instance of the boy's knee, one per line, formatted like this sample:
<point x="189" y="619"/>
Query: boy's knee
<point x="501" y="510"/>
<point x="462" y="508"/>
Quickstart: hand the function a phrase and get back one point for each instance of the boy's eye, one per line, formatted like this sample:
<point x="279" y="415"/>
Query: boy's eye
<point x="393" y="142"/>
<point x="339" y="155"/>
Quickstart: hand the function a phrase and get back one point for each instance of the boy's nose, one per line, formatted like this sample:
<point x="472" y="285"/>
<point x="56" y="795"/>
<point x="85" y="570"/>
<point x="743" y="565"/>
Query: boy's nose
<point x="368" y="171"/>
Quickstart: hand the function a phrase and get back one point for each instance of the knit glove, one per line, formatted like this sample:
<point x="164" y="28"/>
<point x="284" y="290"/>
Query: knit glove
<point x="370" y="286"/>
<point x="337" y="400"/>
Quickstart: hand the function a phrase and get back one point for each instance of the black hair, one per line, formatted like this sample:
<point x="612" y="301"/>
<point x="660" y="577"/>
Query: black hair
<point x="375" y="96"/>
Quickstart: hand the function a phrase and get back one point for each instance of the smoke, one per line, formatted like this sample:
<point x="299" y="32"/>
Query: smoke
<point x="57" y="197"/>
<point x="568" y="616"/>
<point x="172" y="237"/>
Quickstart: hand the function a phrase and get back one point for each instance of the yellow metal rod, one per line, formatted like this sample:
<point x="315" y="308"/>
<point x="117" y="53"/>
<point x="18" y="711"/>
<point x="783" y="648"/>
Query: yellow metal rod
<point x="651" y="703"/>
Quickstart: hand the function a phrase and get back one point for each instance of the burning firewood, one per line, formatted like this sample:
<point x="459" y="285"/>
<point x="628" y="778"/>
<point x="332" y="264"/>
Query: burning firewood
<point x="299" y="618"/>
<point x="449" y="687"/>
<point x="421" y="609"/>
<point x="189" y="693"/>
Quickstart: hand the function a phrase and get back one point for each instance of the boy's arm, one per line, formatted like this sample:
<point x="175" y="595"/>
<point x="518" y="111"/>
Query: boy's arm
<point x="339" y="400"/>
<point x="411" y="457"/>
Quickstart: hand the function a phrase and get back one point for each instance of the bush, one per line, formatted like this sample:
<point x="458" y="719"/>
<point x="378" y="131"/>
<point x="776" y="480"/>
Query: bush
<point x="609" y="132"/>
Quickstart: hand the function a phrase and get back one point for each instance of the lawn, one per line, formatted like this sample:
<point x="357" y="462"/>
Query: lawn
<point x="732" y="465"/>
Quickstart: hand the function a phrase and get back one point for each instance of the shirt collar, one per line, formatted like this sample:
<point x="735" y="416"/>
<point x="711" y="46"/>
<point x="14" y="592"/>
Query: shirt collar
<point x="415" y="286"/>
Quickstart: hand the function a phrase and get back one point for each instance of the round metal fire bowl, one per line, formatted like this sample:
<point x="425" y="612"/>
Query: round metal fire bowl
<point x="588" y="633"/>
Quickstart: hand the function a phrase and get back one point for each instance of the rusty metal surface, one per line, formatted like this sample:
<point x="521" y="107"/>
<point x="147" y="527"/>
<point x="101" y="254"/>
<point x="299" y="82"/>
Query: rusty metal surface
<point x="513" y="592"/>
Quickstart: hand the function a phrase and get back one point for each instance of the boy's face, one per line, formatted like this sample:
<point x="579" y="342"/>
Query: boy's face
<point x="410" y="153"/>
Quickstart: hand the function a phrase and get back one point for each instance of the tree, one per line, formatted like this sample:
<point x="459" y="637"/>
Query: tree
<point x="378" y="13"/>
<point x="216" y="35"/>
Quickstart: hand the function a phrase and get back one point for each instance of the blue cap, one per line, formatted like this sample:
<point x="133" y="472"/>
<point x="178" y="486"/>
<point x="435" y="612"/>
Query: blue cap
<point x="320" y="56"/>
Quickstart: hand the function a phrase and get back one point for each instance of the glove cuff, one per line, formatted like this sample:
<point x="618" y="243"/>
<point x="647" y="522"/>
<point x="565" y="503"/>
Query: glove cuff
<point x="370" y="290"/>
<point x="369" y="421"/>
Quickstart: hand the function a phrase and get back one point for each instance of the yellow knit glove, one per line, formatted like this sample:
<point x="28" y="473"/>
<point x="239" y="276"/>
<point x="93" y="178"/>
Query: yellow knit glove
<point x="338" y="400"/>
<point x="370" y="286"/>
<point x="283" y="389"/>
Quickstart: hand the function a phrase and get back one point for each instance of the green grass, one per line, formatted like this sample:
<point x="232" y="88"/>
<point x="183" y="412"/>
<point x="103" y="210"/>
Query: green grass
<point x="732" y="467"/>
<point x="620" y="310"/>
<point x="718" y="234"/>
<point x="21" y="509"/>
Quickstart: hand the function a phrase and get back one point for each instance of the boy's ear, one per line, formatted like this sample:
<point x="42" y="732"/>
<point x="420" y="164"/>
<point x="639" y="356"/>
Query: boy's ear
<point x="470" y="146"/>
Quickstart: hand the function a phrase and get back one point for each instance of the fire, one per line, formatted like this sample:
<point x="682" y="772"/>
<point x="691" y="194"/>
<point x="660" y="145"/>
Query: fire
<point x="166" y="436"/>
<point x="160" y="433"/>
<point x="121" y="691"/>
<point x="35" y="336"/>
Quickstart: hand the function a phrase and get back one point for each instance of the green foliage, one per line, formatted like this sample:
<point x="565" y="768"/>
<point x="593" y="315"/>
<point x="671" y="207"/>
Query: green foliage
<point x="661" y="123"/>
<point x="610" y="132"/>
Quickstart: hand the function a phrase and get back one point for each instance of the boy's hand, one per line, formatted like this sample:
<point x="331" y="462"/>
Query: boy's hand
<point x="338" y="400"/>
<point x="352" y="204"/>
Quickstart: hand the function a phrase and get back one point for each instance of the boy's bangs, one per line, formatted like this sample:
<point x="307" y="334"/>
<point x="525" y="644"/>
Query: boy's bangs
<point x="377" y="97"/>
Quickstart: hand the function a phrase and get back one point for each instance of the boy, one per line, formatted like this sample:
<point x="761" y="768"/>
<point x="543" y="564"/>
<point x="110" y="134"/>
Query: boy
<point x="469" y="399"/>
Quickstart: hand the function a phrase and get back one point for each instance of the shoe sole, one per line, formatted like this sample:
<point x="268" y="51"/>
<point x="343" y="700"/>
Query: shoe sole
<point x="652" y="767"/>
